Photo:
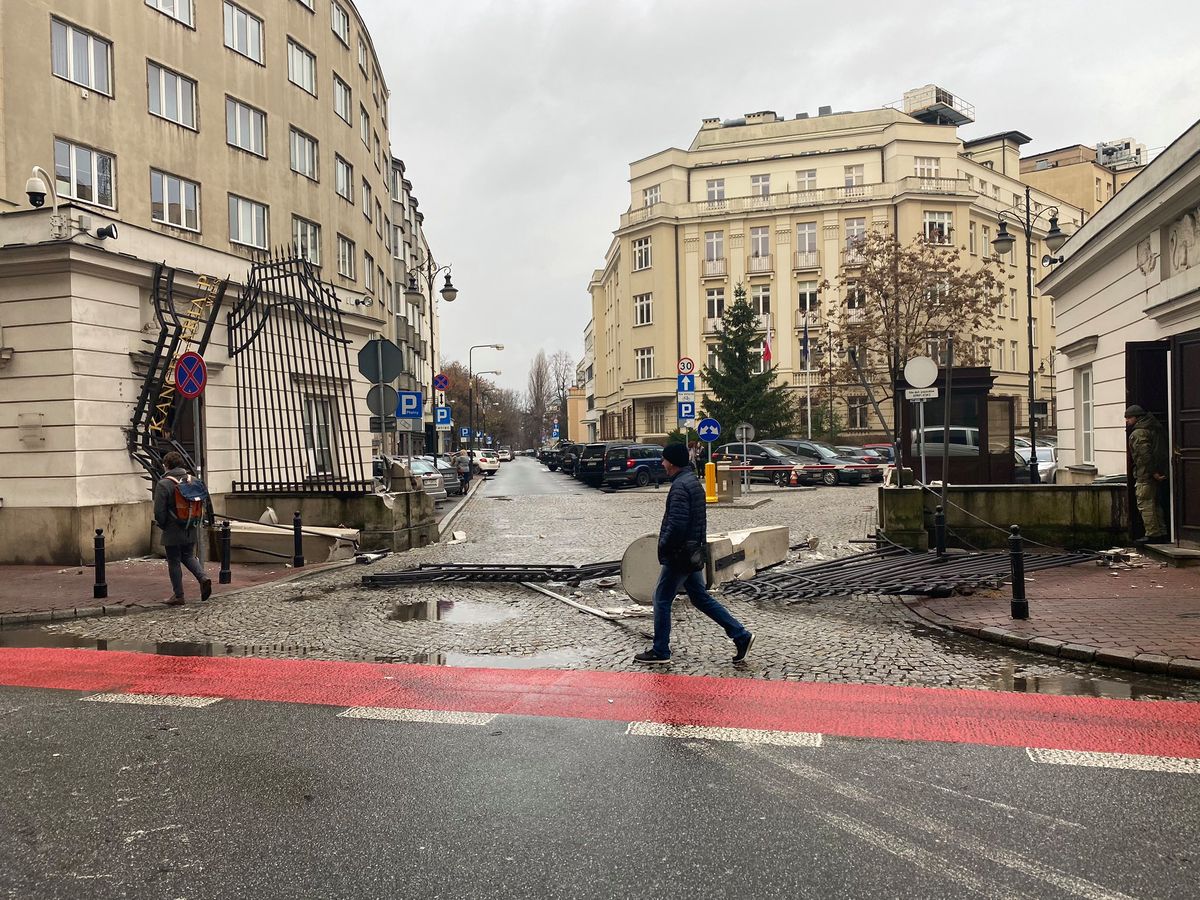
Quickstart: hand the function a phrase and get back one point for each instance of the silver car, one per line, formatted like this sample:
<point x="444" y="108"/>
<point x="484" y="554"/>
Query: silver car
<point x="431" y="481"/>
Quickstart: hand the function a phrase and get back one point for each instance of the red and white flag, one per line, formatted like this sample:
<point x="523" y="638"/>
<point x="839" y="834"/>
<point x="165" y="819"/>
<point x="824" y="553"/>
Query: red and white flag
<point x="766" y="349"/>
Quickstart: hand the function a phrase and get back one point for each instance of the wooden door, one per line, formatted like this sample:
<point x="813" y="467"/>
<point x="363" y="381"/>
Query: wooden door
<point x="1185" y="438"/>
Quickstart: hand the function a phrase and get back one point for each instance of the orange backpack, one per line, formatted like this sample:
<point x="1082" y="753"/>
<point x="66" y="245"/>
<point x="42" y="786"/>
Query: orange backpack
<point x="190" y="494"/>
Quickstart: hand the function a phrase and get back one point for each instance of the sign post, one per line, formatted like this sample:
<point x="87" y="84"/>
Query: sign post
<point x="382" y="362"/>
<point x="191" y="377"/>
<point x="920" y="372"/>
<point x="744" y="432"/>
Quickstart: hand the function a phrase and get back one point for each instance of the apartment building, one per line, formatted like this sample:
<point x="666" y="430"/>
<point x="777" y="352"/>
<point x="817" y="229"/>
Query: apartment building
<point x="1087" y="177"/>
<point x="586" y="424"/>
<point x="778" y="205"/>
<point x="208" y="135"/>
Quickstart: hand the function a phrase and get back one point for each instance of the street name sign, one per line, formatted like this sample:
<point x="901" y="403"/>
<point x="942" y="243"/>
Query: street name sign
<point x="924" y="393"/>
<point x="408" y="405"/>
<point x="709" y="430"/>
<point x="191" y="375"/>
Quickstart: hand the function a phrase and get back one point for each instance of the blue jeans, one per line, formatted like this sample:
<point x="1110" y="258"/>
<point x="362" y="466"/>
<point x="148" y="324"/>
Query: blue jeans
<point x="669" y="582"/>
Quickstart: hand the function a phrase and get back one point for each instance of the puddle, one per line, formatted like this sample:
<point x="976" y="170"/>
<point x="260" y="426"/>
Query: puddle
<point x="549" y="658"/>
<point x="1076" y="686"/>
<point x="457" y="612"/>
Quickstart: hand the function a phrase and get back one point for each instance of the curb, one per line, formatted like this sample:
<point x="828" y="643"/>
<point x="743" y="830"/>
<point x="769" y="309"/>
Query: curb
<point x="448" y="519"/>
<point x="1153" y="663"/>
<point x="40" y="617"/>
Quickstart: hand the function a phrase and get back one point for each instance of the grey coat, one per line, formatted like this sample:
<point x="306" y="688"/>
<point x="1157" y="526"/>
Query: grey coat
<point x="173" y="534"/>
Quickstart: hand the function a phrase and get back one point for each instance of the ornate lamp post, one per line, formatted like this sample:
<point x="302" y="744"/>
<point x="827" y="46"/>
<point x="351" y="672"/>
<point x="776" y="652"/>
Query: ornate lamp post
<point x="413" y="294"/>
<point x="471" y="379"/>
<point x="1024" y="217"/>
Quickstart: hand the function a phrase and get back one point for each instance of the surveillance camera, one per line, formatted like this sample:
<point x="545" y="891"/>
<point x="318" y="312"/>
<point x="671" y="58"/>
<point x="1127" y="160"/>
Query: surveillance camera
<point x="35" y="188"/>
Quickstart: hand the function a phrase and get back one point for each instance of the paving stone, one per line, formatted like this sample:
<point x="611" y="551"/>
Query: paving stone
<point x="1080" y="652"/>
<point x="1045" y="645"/>
<point x="1152" y="662"/>
<point x="1122" y="658"/>
<point x="1188" y="668"/>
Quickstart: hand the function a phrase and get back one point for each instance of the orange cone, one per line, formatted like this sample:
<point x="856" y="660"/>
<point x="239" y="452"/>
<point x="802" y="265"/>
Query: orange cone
<point x="793" y="481"/>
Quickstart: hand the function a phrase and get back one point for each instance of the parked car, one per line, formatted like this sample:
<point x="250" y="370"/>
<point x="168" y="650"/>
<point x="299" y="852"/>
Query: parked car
<point x="426" y="472"/>
<point x="484" y="462"/>
<point x="637" y="464"/>
<point x="548" y="456"/>
<point x="449" y="474"/>
<point x="1047" y="460"/>
<point x="841" y="469"/>
<point x="867" y="457"/>
<point x="505" y="454"/>
<point x="568" y="457"/>
<point x="590" y="467"/>
<point x="964" y="441"/>
<point x="763" y="454"/>
<point x="887" y="451"/>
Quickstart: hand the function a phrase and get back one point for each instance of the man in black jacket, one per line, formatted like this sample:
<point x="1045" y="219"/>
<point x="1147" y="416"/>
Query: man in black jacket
<point x="682" y="549"/>
<point x="178" y="538"/>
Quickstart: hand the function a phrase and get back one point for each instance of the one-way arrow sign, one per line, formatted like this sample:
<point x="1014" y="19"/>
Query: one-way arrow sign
<point x="686" y="384"/>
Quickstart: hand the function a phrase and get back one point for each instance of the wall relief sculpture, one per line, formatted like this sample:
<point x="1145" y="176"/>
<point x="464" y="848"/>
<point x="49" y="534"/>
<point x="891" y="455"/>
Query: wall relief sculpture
<point x="1182" y="237"/>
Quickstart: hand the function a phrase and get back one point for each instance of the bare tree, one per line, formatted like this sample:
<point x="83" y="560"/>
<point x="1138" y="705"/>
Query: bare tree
<point x="539" y="393"/>
<point x="562" y="379"/>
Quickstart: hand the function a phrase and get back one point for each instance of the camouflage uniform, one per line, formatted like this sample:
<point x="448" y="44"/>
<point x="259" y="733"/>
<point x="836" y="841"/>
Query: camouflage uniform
<point x="1148" y="451"/>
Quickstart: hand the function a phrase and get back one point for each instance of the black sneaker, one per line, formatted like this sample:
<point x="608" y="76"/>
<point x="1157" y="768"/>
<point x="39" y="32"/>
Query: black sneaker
<point x="650" y="658"/>
<point x="743" y="647"/>
<point x="205" y="588"/>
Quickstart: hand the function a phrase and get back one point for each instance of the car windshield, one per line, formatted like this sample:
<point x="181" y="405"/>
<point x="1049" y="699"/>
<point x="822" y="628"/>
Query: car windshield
<point x="421" y="467"/>
<point x="825" y="451"/>
<point x="775" y="452"/>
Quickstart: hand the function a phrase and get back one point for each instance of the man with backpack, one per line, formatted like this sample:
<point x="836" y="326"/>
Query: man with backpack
<point x="179" y="502"/>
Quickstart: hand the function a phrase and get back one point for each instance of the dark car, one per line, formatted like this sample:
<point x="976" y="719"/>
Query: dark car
<point x="568" y="457"/>
<point x="836" y="469"/>
<point x="866" y="457"/>
<point x="637" y="464"/>
<point x="887" y="451"/>
<point x="756" y="454"/>
<point x="590" y="467"/>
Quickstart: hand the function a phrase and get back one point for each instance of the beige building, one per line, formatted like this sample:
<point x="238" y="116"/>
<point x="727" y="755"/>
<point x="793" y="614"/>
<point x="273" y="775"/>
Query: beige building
<point x="585" y="378"/>
<point x="1086" y="177"/>
<point x="777" y="205"/>
<point x="208" y="134"/>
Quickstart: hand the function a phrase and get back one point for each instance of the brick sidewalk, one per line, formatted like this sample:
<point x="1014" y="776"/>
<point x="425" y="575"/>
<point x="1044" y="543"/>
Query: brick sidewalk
<point x="1145" y="618"/>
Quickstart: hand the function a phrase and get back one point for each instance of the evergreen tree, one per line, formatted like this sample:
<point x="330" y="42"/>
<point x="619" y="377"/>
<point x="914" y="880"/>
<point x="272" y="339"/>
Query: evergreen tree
<point x="740" y="393"/>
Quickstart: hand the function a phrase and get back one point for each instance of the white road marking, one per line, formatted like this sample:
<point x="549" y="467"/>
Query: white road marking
<point x="736" y="735"/>
<point x="1115" y="761"/>
<point x="434" y="716"/>
<point x="153" y="699"/>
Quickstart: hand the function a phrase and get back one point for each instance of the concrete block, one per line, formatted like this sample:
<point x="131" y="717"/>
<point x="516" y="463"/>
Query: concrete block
<point x="1185" y="667"/>
<point x="8" y="620"/>
<point x="1012" y="639"/>
<point x="39" y="617"/>
<point x="1080" y="652"/>
<point x="83" y="612"/>
<point x="115" y="610"/>
<point x="1044" y="645"/>
<point x="1152" y="662"/>
<point x="1123" y="659"/>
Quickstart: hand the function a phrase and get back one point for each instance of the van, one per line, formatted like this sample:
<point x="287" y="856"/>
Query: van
<point x="637" y="464"/>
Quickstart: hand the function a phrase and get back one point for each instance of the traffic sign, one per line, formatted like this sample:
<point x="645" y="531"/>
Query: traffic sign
<point x="375" y="352"/>
<point x="441" y="416"/>
<point x="446" y="427"/>
<point x="744" y="431"/>
<point x="687" y="410"/>
<point x="464" y="433"/>
<point x="682" y="397"/>
<point x="191" y="375"/>
<point x="409" y="405"/>
<point x="686" y="366"/>
<point x="709" y="430"/>
<point x="687" y="384"/>
<point x="388" y="424"/>
<point x="920" y="372"/>
<point x="925" y="393"/>
<point x="381" y="398"/>
<point x="441" y="381"/>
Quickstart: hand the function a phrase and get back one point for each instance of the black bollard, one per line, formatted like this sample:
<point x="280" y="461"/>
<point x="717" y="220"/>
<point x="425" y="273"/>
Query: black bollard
<point x="1016" y="553"/>
<point x="100" y="588"/>
<point x="939" y="530"/>
<point x="226" y="539"/>
<point x="297" y="542"/>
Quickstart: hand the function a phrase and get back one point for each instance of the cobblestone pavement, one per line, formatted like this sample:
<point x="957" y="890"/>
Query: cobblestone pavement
<point x="860" y="639"/>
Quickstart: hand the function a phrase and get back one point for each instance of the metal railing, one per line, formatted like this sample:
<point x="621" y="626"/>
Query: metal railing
<point x="757" y="265"/>
<point x="713" y="325"/>
<point x="715" y="268"/>
<point x="807" y="259"/>
<point x="853" y="256"/>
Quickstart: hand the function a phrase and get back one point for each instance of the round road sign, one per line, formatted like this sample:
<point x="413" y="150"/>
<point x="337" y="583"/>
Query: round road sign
<point x="686" y="366"/>
<point x="744" y="431"/>
<point x="441" y="381"/>
<point x="920" y="372"/>
<point x="191" y="375"/>
<point x="709" y="430"/>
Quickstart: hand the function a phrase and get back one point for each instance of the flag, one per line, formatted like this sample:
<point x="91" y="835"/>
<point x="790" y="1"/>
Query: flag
<point x="766" y="350"/>
<point x="804" y="342"/>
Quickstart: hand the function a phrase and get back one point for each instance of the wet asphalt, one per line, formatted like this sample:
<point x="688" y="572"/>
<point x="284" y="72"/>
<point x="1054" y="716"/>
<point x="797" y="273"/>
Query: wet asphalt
<point x="267" y="800"/>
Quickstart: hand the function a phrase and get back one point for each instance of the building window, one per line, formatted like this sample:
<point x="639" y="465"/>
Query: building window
<point x="306" y="239"/>
<point x="642" y="258"/>
<point x="650" y="195"/>
<point x="180" y="10"/>
<point x="1012" y="303"/>
<point x="247" y="222"/>
<point x="643" y="309"/>
<point x="760" y="299"/>
<point x="366" y="199"/>
<point x="345" y="257"/>
<point x="938" y="227"/>
<point x="926" y="166"/>
<point x="364" y="126"/>
<point x="362" y="55"/>
<point x="715" y="302"/>
<point x="854" y="176"/>
<point x="81" y="57"/>
<point x="656" y="418"/>
<point x="971" y="237"/>
<point x="172" y="96"/>
<point x="714" y="245"/>
<point x="987" y="241"/>
<point x="245" y="127"/>
<point x="243" y="34"/>
<point x="341" y="22"/>
<point x="1087" y="429"/>
<point x="806" y="180"/>
<point x="644" y="360"/>
<point x="856" y="412"/>
<point x="856" y="233"/>
<point x="809" y="301"/>
<point x="760" y="242"/>
<point x="310" y="5"/>
<point x="343" y="178"/>
<point x="303" y="154"/>
<point x="342" y="99"/>
<point x="806" y="237"/>
<point x="856" y="297"/>
<point x="378" y="152"/>
<point x="760" y="185"/>
<point x="714" y="357"/>
<point x="368" y="272"/>
<point x="83" y="174"/>
<point x="716" y="190"/>
<point x="1013" y="348"/>
<point x="174" y="201"/>
<point x="302" y="68"/>
<point x="318" y="435"/>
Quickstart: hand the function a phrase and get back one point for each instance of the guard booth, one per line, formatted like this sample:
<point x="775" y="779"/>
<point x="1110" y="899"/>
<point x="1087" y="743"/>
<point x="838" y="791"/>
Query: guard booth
<point x="981" y="430"/>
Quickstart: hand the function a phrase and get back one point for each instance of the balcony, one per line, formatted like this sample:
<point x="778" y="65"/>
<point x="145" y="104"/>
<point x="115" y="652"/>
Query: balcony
<point x="713" y="325"/>
<point x="801" y="378"/>
<point x="759" y="265"/>
<point x="924" y="185"/>
<point x="806" y="260"/>
<point x="788" y="200"/>
<point x="762" y="321"/>
<point x="853" y="256"/>
<point x="814" y="322"/>
<point x="715" y="268"/>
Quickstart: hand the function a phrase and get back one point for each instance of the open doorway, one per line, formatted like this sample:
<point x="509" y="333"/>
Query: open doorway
<point x="1147" y="383"/>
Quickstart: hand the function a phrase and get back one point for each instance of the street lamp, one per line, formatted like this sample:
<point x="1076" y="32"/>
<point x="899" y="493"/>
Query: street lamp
<point x="429" y="271"/>
<point x="471" y="380"/>
<point x="1003" y="243"/>
<point x="482" y="396"/>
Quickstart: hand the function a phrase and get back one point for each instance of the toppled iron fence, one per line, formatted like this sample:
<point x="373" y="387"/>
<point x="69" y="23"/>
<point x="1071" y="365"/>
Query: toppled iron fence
<point x="494" y="574"/>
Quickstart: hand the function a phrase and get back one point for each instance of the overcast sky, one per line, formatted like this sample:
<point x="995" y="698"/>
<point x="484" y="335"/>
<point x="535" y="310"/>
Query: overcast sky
<point x="517" y="119"/>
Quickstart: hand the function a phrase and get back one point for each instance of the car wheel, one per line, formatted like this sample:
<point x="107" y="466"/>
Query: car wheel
<point x="780" y="479"/>
<point x="829" y="478"/>
<point x="643" y="478"/>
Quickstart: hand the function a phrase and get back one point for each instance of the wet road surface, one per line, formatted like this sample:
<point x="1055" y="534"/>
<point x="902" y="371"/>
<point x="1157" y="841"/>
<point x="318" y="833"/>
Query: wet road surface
<point x="526" y="477"/>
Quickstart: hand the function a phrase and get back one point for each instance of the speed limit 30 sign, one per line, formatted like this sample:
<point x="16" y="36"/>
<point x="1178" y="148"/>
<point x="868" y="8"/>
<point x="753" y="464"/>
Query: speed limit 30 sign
<point x="686" y="366"/>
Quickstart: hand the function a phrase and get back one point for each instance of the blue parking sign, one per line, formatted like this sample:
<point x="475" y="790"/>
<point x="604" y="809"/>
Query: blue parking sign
<point x="464" y="433"/>
<point x="441" y="415"/>
<point x="408" y="405"/>
<point x="687" y="410"/>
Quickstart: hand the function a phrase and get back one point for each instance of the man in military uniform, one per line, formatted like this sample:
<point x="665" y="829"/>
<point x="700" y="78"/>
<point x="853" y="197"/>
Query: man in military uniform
<point x="1148" y="453"/>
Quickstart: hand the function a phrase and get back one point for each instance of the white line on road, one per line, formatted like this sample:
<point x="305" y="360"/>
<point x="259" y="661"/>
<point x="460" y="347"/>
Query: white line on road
<point x="736" y="735"/>
<point x="153" y="699"/>
<point x="433" y="716"/>
<point x="1115" y="761"/>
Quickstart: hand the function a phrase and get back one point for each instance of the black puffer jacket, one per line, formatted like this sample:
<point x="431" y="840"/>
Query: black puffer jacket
<point x="685" y="519"/>
<point x="174" y="534"/>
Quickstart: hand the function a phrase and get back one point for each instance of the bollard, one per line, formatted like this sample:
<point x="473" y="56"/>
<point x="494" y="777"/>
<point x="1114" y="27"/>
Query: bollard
<point x="710" y="482"/>
<point x="100" y="588"/>
<point x="939" y="530"/>
<point x="226" y="539"/>
<point x="297" y="542"/>
<point x="1016" y="553"/>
